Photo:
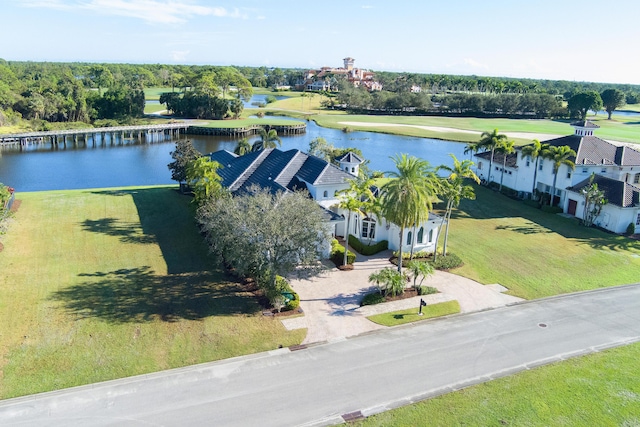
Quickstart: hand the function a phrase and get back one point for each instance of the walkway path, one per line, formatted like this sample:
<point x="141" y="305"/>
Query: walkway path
<point x="331" y="301"/>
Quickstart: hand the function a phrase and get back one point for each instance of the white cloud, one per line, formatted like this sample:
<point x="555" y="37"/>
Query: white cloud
<point x="151" y="11"/>
<point x="366" y="6"/>
<point x="179" y="55"/>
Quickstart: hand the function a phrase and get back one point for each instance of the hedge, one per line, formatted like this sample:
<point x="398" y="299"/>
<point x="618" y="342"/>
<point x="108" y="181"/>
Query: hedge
<point x="367" y="250"/>
<point x="337" y="254"/>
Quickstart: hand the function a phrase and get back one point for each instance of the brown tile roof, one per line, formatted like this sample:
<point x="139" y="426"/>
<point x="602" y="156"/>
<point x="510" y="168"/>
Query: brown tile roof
<point x="512" y="159"/>
<point x="616" y="192"/>
<point x="591" y="150"/>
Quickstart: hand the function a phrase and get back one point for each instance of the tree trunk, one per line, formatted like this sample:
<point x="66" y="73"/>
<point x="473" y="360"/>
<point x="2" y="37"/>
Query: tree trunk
<point x="346" y="239"/>
<point x="400" y="251"/>
<point x="535" y="174"/>
<point x="413" y="242"/>
<point x="504" y="164"/>
<point x="553" y="189"/>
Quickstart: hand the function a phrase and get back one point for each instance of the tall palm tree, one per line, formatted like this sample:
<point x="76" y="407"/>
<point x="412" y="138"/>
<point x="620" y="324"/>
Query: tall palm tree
<point x="535" y="150"/>
<point x="489" y="141"/>
<point x="559" y="156"/>
<point x="454" y="190"/>
<point x="243" y="147"/>
<point x="471" y="148"/>
<point x="268" y="139"/>
<point x="407" y="197"/>
<point x="505" y="148"/>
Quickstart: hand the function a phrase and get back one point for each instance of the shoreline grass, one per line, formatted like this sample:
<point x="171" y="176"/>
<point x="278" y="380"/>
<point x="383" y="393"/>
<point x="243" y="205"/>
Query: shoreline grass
<point x="108" y="283"/>
<point x="410" y="315"/>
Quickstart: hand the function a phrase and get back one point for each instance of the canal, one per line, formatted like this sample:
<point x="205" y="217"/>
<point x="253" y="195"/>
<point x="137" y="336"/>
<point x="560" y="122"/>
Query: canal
<point x="135" y="162"/>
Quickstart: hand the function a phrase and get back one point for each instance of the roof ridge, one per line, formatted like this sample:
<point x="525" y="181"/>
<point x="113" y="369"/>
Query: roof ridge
<point x="321" y="173"/>
<point x="294" y="157"/>
<point x="249" y="170"/>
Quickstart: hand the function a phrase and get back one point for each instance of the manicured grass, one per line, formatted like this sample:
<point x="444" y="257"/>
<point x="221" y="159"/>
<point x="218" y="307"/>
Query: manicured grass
<point x="411" y="315"/>
<point x="247" y="122"/>
<point x="596" y="390"/>
<point x="537" y="254"/>
<point x="153" y="93"/>
<point x="103" y="284"/>
<point x="630" y="107"/>
<point x="625" y="129"/>
<point x="154" y="108"/>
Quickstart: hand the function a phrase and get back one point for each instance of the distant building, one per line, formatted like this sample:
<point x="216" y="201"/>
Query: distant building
<point x="324" y="78"/>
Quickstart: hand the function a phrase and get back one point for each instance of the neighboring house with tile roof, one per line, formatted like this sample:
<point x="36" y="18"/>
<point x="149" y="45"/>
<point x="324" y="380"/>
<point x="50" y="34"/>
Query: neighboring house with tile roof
<point x="617" y="168"/>
<point x="293" y="170"/>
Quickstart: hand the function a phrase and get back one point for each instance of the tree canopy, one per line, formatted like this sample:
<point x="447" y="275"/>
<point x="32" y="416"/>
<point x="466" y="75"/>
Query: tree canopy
<point x="612" y="99"/>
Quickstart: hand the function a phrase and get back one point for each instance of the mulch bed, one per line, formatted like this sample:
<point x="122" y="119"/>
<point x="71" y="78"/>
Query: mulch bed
<point x="249" y="286"/>
<point x="408" y="293"/>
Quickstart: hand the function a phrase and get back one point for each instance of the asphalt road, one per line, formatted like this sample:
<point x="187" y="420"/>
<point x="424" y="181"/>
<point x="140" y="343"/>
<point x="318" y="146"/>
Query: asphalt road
<point x="368" y="373"/>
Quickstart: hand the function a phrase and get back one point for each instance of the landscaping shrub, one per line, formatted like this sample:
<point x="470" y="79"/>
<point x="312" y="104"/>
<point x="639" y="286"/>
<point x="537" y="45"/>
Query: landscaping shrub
<point x="270" y="99"/>
<point x="371" y="299"/>
<point x="337" y="254"/>
<point x="365" y="249"/>
<point x="293" y="303"/>
<point x="427" y="290"/>
<point x="282" y="285"/>
<point x="447" y="262"/>
<point x="631" y="229"/>
<point x="407" y="255"/>
<point x="551" y="209"/>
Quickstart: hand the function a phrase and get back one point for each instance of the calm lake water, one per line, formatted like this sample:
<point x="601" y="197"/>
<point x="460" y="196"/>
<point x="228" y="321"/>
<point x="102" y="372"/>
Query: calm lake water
<point x="132" y="162"/>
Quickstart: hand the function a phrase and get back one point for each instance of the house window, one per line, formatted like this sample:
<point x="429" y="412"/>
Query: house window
<point x="585" y="170"/>
<point x="479" y="165"/>
<point x="355" y="226"/>
<point x="335" y="193"/>
<point x="528" y="162"/>
<point x="353" y="170"/>
<point x="369" y="228"/>
<point x="603" y="170"/>
<point x="569" y="174"/>
<point x="409" y="236"/>
<point x="638" y="220"/>
<point x="326" y="193"/>
<point x="540" y="166"/>
<point x="420" y="234"/>
<point x="431" y="235"/>
<point x="636" y="178"/>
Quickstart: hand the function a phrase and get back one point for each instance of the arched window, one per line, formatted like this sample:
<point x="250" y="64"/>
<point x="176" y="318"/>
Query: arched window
<point x="420" y="234"/>
<point x="409" y="236"/>
<point x="431" y="235"/>
<point x="326" y="193"/>
<point x="369" y="228"/>
<point x="353" y="169"/>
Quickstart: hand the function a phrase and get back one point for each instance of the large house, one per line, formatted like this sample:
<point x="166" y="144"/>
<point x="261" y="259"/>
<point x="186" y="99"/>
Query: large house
<point x="322" y="79"/>
<point x="293" y="170"/>
<point x="616" y="169"/>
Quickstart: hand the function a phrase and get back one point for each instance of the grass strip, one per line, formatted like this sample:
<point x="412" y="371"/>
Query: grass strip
<point x="401" y="317"/>
<point x="601" y="389"/>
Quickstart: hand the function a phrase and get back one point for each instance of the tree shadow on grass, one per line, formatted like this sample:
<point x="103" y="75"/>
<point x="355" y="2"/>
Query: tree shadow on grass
<point x="126" y="231"/>
<point x="527" y="228"/>
<point x="139" y="295"/>
<point x="166" y="219"/>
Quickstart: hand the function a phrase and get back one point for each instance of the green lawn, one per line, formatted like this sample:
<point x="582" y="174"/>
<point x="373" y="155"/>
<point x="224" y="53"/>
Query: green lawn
<point x="411" y="315"/>
<point x="153" y="93"/>
<point x="154" y="108"/>
<point x="104" y="284"/>
<point x="626" y="129"/>
<point x="537" y="254"/>
<point x="596" y="390"/>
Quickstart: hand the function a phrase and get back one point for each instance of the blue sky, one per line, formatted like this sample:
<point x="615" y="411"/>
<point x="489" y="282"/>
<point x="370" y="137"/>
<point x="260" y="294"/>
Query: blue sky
<point x="561" y="39"/>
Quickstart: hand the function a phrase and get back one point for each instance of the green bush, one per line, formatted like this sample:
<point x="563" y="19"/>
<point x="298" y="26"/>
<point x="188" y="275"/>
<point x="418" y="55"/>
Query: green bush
<point x="551" y="209"/>
<point x="270" y="99"/>
<point x="427" y="290"/>
<point x="371" y="299"/>
<point x="407" y="255"/>
<point x="447" y="262"/>
<point x="365" y="249"/>
<point x="631" y="229"/>
<point x="293" y="303"/>
<point x="337" y="254"/>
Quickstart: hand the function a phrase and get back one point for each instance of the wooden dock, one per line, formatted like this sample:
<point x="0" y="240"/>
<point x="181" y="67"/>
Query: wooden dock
<point x="150" y="132"/>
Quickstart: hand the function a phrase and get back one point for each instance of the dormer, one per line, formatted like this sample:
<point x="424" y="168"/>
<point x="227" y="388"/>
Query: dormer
<point x="584" y="128"/>
<point x="350" y="163"/>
